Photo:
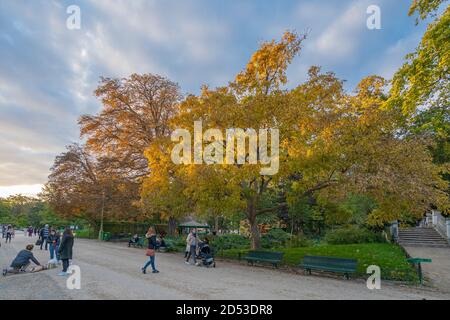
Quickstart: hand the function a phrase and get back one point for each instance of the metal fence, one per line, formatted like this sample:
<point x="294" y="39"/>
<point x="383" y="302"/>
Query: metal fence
<point x="440" y="224"/>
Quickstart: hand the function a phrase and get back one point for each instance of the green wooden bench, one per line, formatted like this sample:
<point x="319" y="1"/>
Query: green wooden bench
<point x="264" y="256"/>
<point x="418" y="262"/>
<point x="139" y="244"/>
<point x="118" y="237"/>
<point x="330" y="264"/>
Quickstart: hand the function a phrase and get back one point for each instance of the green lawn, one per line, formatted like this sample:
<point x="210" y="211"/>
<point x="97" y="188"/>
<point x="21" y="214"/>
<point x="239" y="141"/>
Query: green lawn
<point x="390" y="258"/>
<point x="86" y="234"/>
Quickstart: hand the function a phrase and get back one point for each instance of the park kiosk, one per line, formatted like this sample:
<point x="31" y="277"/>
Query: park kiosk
<point x="186" y="227"/>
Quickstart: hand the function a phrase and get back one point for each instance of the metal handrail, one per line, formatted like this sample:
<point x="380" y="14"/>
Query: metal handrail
<point x="440" y="226"/>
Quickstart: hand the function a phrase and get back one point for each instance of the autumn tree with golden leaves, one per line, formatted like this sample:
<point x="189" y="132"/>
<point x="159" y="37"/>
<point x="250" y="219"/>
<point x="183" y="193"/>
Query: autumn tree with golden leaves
<point x="332" y="142"/>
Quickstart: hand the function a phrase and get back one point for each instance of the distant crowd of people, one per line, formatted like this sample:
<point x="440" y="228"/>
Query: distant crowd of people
<point x="50" y="239"/>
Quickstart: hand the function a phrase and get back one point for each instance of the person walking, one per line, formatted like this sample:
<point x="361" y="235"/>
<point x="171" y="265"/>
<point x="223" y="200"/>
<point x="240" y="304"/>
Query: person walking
<point x="53" y="240"/>
<point x="22" y="261"/>
<point x="151" y="251"/>
<point x="188" y="246"/>
<point x="193" y="242"/>
<point x="9" y="233"/>
<point x="57" y="243"/>
<point x="43" y="234"/>
<point x="65" y="250"/>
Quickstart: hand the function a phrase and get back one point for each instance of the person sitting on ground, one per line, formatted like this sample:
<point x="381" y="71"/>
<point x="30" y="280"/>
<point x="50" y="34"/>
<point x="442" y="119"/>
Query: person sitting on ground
<point x="22" y="261"/>
<point x="133" y="240"/>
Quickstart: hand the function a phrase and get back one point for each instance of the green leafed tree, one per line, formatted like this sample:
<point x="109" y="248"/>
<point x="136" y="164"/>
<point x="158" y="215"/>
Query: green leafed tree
<point x="424" y="8"/>
<point x="421" y="87"/>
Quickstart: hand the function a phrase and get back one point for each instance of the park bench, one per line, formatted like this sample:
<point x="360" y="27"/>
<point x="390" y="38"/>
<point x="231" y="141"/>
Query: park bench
<point x="119" y="237"/>
<point x="264" y="256"/>
<point x="169" y="246"/>
<point x="139" y="244"/>
<point x="329" y="264"/>
<point x="418" y="262"/>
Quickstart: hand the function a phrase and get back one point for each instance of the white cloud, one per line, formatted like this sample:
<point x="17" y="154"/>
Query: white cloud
<point x="26" y="190"/>
<point x="48" y="73"/>
<point x="173" y="25"/>
<point x="394" y="56"/>
<point x="343" y="36"/>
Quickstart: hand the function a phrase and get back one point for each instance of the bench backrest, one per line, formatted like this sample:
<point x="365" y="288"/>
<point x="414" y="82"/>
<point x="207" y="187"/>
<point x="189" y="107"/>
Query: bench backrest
<point x="269" y="255"/>
<point x="331" y="262"/>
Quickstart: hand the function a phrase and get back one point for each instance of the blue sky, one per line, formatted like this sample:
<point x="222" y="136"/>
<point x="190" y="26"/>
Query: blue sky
<point x="48" y="72"/>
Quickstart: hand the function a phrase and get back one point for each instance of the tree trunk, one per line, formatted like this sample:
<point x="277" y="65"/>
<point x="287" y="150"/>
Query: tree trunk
<point x="172" y="226"/>
<point x="254" y="231"/>
<point x="292" y="226"/>
<point x="255" y="236"/>
<point x="216" y="224"/>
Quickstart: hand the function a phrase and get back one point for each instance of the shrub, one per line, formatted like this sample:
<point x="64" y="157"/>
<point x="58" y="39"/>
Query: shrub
<point x="352" y="235"/>
<point x="85" y="234"/>
<point x="172" y="245"/>
<point x="299" y="242"/>
<point x="229" y="241"/>
<point x="275" y="238"/>
<point x="175" y="243"/>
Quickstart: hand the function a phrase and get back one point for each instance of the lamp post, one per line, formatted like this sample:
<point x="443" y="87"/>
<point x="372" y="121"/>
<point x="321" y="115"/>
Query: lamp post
<point x="100" y="232"/>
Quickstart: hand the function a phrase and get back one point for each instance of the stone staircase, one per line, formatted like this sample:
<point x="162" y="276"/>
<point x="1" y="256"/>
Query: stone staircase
<point x="421" y="237"/>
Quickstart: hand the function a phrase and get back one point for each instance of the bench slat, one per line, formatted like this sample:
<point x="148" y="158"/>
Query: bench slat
<point x="264" y="256"/>
<point x="261" y="259"/>
<point x="341" y="265"/>
<point x="326" y="268"/>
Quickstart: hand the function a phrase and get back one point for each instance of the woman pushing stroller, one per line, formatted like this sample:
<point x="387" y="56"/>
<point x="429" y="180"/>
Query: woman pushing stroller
<point x="205" y="253"/>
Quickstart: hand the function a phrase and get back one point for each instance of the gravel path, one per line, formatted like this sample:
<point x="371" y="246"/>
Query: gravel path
<point x="112" y="271"/>
<point x="437" y="273"/>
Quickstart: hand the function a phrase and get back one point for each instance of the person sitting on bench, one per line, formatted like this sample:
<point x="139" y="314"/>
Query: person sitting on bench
<point x="22" y="261"/>
<point x="133" y="241"/>
<point x="161" y="242"/>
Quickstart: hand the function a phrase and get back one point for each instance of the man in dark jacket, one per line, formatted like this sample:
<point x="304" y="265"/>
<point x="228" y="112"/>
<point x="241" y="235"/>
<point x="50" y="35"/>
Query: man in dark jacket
<point x="44" y="236"/>
<point x="22" y="261"/>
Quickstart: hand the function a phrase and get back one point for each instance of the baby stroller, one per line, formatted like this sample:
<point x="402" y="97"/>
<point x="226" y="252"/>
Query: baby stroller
<point x="206" y="255"/>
